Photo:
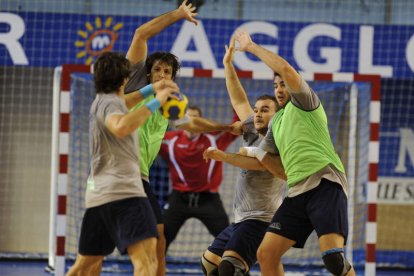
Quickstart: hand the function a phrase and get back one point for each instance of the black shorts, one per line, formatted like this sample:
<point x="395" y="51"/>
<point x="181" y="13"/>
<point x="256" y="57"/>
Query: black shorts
<point x="323" y="209"/>
<point x="204" y="206"/>
<point x="120" y="223"/>
<point x="153" y="201"/>
<point x="243" y="237"/>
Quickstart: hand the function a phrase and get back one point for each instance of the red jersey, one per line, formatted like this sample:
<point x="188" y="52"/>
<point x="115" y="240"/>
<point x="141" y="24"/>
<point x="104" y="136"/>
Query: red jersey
<point x="188" y="170"/>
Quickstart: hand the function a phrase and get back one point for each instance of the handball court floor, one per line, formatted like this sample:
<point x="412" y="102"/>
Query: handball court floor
<point x="37" y="268"/>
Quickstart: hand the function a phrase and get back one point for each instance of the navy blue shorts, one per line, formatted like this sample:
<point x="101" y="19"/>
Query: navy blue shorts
<point x="153" y="201"/>
<point x="120" y="223"/>
<point x="323" y="209"/>
<point x="243" y="237"/>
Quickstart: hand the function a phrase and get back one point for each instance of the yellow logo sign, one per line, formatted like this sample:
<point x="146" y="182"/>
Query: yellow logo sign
<point x="97" y="39"/>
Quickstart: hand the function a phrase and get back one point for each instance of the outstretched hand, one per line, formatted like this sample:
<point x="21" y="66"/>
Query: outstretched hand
<point x="244" y="40"/>
<point x="228" y="57"/>
<point x="214" y="153"/>
<point x="187" y="11"/>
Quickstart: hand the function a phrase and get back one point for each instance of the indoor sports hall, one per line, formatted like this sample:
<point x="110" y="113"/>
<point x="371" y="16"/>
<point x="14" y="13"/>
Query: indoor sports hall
<point x="357" y="55"/>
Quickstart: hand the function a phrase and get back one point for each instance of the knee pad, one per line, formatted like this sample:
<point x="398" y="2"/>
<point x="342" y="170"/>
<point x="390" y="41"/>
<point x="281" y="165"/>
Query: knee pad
<point x="230" y="266"/>
<point x="335" y="262"/>
<point x="209" y="269"/>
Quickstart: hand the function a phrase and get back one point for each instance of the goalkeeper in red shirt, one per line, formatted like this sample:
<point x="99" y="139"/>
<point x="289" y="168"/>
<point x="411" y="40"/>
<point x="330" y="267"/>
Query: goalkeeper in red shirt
<point x="195" y="183"/>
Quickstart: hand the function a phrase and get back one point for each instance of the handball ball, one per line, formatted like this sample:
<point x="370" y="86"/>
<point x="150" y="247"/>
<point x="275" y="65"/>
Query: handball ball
<point x="175" y="109"/>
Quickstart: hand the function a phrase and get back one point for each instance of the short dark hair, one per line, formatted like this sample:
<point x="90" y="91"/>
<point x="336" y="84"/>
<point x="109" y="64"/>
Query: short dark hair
<point x="269" y="97"/>
<point x="110" y="71"/>
<point x="164" y="57"/>
<point x="266" y="97"/>
<point x="195" y="107"/>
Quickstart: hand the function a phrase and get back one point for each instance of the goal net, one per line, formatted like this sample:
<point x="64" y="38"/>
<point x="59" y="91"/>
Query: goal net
<point x="347" y="105"/>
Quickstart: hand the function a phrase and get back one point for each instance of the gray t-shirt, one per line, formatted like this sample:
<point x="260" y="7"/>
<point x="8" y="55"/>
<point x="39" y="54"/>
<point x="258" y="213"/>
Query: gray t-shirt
<point x="114" y="170"/>
<point x="305" y="99"/>
<point x="258" y="193"/>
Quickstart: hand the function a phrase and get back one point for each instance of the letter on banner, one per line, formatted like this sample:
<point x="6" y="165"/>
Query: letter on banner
<point x="11" y="39"/>
<point x="332" y="55"/>
<point x="197" y="34"/>
<point x="366" y="54"/>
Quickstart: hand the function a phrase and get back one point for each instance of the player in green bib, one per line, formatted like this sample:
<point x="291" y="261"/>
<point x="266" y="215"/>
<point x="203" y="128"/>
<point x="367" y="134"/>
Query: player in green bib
<point x="150" y="138"/>
<point x="317" y="194"/>
<point x="303" y="137"/>
<point x="152" y="69"/>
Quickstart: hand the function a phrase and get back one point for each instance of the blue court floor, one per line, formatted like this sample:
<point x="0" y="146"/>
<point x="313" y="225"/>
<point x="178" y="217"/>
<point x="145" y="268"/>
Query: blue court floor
<point x="37" y="268"/>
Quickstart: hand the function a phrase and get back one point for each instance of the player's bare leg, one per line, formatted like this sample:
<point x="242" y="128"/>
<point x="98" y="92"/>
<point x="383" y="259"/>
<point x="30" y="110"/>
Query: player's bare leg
<point x="270" y="253"/>
<point x="144" y="257"/>
<point x="86" y="265"/>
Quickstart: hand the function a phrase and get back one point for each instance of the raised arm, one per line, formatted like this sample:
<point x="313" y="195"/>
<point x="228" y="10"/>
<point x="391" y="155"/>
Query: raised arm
<point x="236" y="92"/>
<point x="138" y="49"/>
<point x="275" y="62"/>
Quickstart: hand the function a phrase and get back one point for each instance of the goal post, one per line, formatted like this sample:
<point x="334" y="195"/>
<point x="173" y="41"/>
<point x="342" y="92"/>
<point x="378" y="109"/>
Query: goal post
<point x="59" y="164"/>
<point x="206" y="88"/>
